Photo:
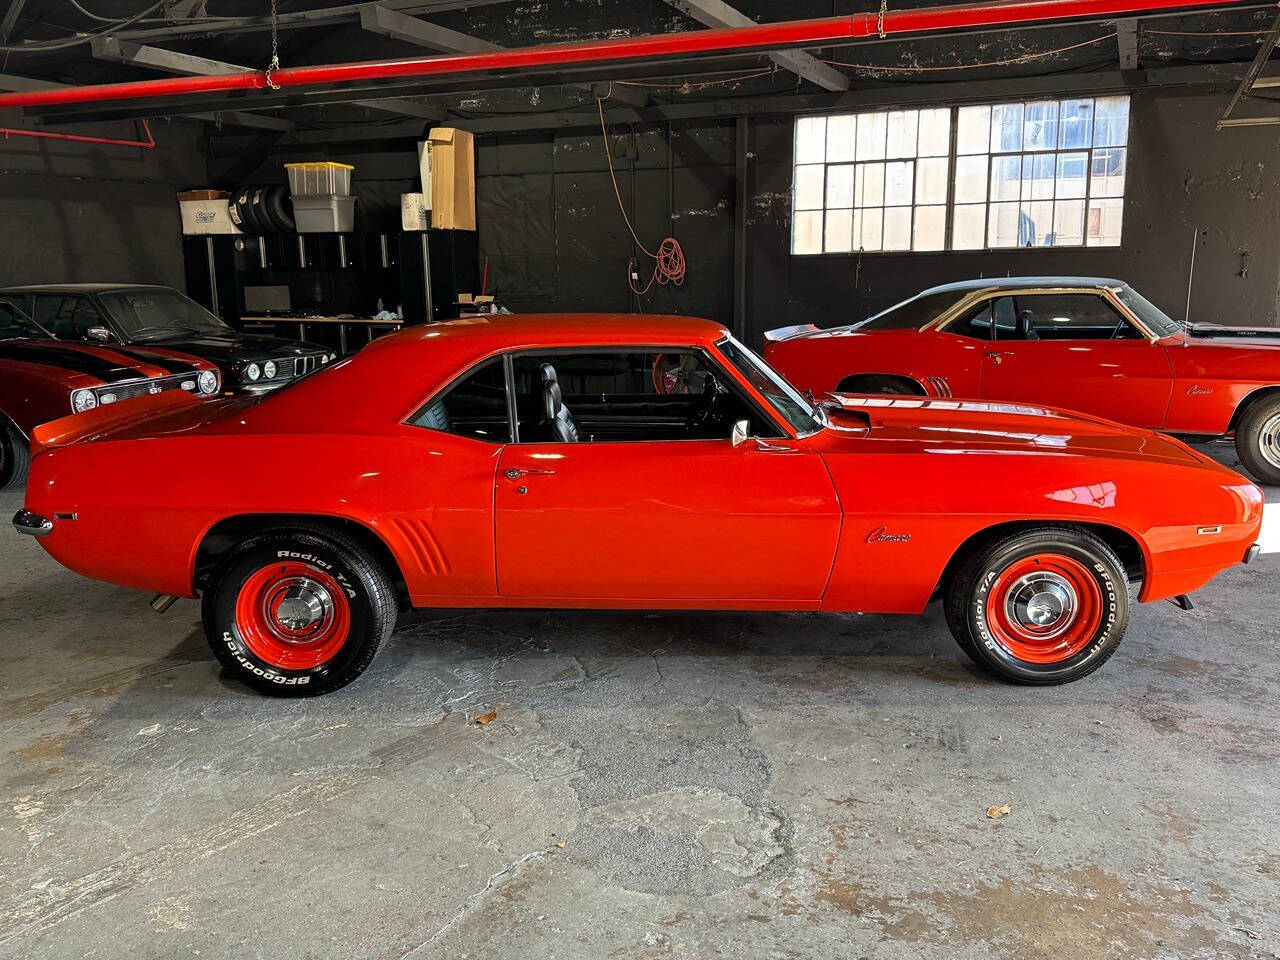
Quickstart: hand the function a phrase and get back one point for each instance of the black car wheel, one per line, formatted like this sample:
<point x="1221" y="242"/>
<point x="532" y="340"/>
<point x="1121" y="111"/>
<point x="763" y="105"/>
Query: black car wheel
<point x="277" y="204"/>
<point x="298" y="612"/>
<point x="1258" y="440"/>
<point x="15" y="457"/>
<point x="1042" y="606"/>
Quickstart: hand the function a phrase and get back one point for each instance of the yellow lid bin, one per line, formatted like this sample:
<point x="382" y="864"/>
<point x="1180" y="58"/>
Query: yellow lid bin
<point x="319" y="178"/>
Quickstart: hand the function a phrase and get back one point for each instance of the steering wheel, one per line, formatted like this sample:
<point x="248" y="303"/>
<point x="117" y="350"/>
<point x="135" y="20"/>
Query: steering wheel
<point x="680" y="374"/>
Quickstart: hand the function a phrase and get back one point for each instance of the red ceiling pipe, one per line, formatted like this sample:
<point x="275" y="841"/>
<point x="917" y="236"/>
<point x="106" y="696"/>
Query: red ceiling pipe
<point x="827" y="31"/>
<point x="147" y="144"/>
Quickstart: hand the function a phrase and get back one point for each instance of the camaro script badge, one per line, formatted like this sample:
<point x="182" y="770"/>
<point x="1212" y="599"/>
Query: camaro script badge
<point x="1195" y="390"/>
<point x="882" y="535"/>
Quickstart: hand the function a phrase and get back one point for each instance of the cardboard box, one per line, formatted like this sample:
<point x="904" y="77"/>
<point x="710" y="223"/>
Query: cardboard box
<point x="447" y="167"/>
<point x="202" y="218"/>
<point x="415" y="211"/>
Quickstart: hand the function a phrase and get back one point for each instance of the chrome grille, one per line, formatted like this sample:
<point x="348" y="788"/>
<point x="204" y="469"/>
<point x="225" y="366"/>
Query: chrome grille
<point x="305" y="365"/>
<point x="140" y="388"/>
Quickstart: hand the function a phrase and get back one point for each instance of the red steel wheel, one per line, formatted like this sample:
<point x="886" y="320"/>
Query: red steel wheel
<point x="1045" y="608"/>
<point x="292" y="615"/>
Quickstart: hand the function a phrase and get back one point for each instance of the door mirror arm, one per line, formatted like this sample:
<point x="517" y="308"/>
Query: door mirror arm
<point x="742" y="433"/>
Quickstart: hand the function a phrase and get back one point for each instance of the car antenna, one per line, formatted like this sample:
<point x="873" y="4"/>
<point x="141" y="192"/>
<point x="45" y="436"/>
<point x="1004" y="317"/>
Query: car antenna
<point x="1191" y="273"/>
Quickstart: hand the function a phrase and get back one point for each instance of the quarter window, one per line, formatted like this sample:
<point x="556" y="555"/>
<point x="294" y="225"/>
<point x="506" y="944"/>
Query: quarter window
<point x="475" y="406"/>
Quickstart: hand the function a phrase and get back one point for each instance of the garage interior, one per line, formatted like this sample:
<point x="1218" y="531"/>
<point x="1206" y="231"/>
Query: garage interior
<point x="647" y="783"/>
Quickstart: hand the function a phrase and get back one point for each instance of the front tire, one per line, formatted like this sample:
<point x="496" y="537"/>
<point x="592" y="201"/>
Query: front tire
<point x="1040" y="607"/>
<point x="15" y="457"/>
<point x="1258" y="441"/>
<point x="298" y="613"/>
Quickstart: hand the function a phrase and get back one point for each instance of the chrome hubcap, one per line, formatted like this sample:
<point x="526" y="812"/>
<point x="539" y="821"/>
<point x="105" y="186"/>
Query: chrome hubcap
<point x="1269" y="441"/>
<point x="298" y="609"/>
<point x="1041" y="605"/>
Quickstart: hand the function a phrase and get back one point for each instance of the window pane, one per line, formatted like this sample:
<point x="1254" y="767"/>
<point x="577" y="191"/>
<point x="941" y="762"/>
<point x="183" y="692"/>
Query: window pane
<point x="867" y="233"/>
<point x="1002" y="225"/>
<point x="1006" y="178"/>
<point x="476" y="407"/>
<point x="839" y="232"/>
<point x="1035" y="227"/>
<point x="869" y="185"/>
<point x="969" y="227"/>
<point x="809" y="187"/>
<point x="931" y="180"/>
<point x="871" y="134"/>
<point x="840" y="186"/>
<point x="1103" y="223"/>
<point x="973" y="130"/>
<point x="1006" y="127"/>
<point x="1075" y="123"/>
<point x="1040" y="125"/>
<point x="935" y="133"/>
<point x="840" y="138"/>
<point x="1037" y="176"/>
<point x="1071" y="174"/>
<point x="807" y="232"/>
<point x="1107" y="175"/>
<point x="902" y="133"/>
<point x="897" y="183"/>
<point x="1068" y="316"/>
<point x="1068" y="223"/>
<point x="897" y="228"/>
<point x="930" y="228"/>
<point x="1111" y="122"/>
<point x="811" y="134"/>
<point x="971" y="178"/>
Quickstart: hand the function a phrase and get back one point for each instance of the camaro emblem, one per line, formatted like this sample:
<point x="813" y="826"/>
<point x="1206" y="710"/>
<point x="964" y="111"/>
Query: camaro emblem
<point x="882" y="535"/>
<point x="1195" y="390"/>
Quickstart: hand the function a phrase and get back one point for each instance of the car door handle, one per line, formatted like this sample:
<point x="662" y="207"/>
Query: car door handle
<point x="516" y="474"/>
<point x="997" y="356"/>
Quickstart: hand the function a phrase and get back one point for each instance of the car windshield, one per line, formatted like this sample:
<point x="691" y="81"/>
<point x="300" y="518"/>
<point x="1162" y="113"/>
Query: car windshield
<point x="15" y="323"/>
<point x="1159" y="322"/>
<point x="911" y="314"/>
<point x="158" y="314"/>
<point x="771" y="386"/>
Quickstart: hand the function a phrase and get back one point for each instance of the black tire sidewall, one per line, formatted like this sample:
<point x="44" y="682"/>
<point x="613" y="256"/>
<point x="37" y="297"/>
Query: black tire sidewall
<point x="1248" y="447"/>
<point x="15" y="457"/>
<point x="224" y="636"/>
<point x="1111" y="580"/>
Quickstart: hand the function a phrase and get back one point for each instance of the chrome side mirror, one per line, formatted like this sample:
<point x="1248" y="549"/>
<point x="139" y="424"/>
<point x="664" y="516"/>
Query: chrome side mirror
<point x="98" y="333"/>
<point x="740" y="433"/>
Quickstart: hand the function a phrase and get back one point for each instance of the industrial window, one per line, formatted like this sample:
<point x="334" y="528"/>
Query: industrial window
<point x="1044" y="173"/>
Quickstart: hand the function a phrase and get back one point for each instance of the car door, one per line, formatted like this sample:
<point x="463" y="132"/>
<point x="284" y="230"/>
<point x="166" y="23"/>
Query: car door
<point x="655" y="518"/>
<point x="1074" y="349"/>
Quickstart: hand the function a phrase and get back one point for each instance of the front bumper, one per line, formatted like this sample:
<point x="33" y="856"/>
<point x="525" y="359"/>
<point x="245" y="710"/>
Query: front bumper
<point x="32" y="524"/>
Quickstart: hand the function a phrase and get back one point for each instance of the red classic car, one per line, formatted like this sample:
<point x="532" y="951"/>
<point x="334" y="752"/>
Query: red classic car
<point x="43" y="379"/>
<point x="1079" y="343"/>
<point x="636" y="462"/>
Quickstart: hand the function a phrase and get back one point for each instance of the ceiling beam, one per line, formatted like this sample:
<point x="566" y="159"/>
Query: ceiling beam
<point x="1127" y="43"/>
<point x="11" y="18"/>
<point x="379" y="19"/>
<point x="717" y="14"/>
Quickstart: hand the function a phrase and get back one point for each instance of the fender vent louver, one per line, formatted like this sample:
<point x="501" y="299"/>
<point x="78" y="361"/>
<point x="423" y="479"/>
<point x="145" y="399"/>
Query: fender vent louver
<point x="423" y="545"/>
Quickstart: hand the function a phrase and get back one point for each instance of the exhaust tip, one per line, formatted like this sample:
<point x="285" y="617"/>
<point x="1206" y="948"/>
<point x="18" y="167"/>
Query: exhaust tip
<point x="162" y="602"/>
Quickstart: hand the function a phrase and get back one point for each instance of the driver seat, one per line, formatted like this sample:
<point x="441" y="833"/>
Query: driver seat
<point x="556" y="416"/>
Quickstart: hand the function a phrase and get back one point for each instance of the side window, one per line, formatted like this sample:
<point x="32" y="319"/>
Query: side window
<point x="67" y="317"/>
<point x="627" y="395"/>
<point x="1068" y="316"/>
<point x="976" y="324"/>
<point x="475" y="406"/>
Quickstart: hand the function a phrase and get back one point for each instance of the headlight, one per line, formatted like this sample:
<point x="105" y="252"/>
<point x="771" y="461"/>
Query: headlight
<point x="208" y="381"/>
<point x="252" y="373"/>
<point x="326" y="358"/>
<point x="269" y="369"/>
<point x="83" y="400"/>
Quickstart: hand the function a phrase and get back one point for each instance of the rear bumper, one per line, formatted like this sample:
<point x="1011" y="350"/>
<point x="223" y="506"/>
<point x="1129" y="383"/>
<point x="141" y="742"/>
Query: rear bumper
<point x="32" y="524"/>
<point x="1252" y="552"/>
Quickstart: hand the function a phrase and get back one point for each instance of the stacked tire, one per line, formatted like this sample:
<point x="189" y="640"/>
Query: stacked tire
<point x="263" y="210"/>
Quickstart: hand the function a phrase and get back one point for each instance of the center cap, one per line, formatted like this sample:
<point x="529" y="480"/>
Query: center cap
<point x="300" y="606"/>
<point x="1042" y="604"/>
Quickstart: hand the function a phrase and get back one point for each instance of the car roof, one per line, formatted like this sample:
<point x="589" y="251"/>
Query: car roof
<point x="510" y="331"/>
<point x="81" y="287"/>
<point x="1022" y="283"/>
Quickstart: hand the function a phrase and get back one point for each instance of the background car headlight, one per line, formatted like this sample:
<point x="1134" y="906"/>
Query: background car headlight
<point x="269" y="369"/>
<point x="83" y="400"/>
<point x="208" y="382"/>
<point x="252" y="373"/>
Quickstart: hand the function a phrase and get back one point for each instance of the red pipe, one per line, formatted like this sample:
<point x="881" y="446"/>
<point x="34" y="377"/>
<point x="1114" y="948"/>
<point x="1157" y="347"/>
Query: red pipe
<point x="147" y="144"/>
<point x="827" y="31"/>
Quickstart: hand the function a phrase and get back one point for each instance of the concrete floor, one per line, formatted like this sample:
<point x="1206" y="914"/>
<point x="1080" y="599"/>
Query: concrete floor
<point x="668" y="785"/>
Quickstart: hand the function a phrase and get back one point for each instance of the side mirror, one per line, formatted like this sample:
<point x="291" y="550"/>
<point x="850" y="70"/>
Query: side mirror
<point x="741" y="430"/>
<point x="98" y="333"/>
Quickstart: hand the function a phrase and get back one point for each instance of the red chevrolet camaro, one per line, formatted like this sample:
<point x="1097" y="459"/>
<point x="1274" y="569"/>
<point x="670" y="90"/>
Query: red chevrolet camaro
<point x="635" y="462"/>
<point x="1079" y="343"/>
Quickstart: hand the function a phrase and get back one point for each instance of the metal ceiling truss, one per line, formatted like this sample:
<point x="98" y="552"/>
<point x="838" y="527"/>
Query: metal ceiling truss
<point x="1254" y="80"/>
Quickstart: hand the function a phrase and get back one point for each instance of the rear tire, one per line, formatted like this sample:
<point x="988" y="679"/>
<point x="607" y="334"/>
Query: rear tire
<point x="298" y="613"/>
<point x="1042" y="606"/>
<point x="1258" y="440"/>
<point x="15" y="457"/>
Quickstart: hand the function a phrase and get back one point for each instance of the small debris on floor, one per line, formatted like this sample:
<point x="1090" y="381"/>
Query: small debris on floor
<point x="487" y="718"/>
<point x="999" y="811"/>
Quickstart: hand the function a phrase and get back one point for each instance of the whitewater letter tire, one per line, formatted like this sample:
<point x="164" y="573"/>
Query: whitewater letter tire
<point x="1041" y="606"/>
<point x="298" y="613"/>
<point x="1258" y="441"/>
<point x="15" y="457"/>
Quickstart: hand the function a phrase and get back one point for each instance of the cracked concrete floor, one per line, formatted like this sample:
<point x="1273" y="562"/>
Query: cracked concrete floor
<point x="659" y="785"/>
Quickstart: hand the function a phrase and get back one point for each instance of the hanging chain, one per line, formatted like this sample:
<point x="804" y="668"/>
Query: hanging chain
<point x="275" y="47"/>
<point x="884" y="6"/>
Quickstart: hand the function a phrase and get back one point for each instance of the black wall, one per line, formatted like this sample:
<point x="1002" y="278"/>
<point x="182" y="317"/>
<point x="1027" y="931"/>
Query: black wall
<point x="79" y="212"/>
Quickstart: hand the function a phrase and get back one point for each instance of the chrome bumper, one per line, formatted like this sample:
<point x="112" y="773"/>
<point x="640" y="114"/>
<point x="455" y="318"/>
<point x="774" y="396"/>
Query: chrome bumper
<point x="1252" y="552"/>
<point x="32" y="524"/>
